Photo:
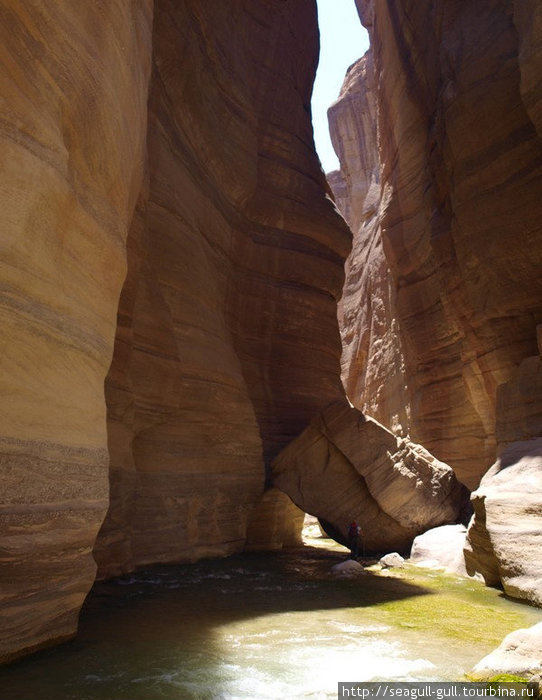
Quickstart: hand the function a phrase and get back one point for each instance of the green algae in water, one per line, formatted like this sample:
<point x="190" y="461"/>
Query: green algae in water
<point x="457" y="608"/>
<point x="266" y="626"/>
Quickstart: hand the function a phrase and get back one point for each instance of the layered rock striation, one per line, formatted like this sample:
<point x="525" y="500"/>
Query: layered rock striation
<point x="504" y="539"/>
<point x="72" y="134"/>
<point x="227" y="341"/>
<point x="169" y="145"/>
<point x="345" y="466"/>
<point x="438" y="134"/>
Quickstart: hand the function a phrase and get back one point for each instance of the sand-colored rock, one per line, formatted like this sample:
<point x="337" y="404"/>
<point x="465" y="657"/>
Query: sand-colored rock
<point x="74" y="80"/>
<point x="345" y="466"/>
<point x="519" y="654"/>
<point x="393" y="560"/>
<point x="504" y="540"/>
<point x="443" y="289"/>
<point x="373" y="369"/>
<point x="275" y="523"/>
<point x="228" y="341"/>
<point x="348" y="569"/>
<point x="441" y="547"/>
<point x="519" y="402"/>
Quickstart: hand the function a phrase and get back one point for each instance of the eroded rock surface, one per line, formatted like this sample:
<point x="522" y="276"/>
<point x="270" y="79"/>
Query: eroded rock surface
<point x="203" y="179"/>
<point x="443" y="290"/>
<point x="74" y="80"/>
<point x="275" y="523"/>
<point x="441" y="547"/>
<point x="519" y="654"/>
<point x="227" y="342"/>
<point x="504" y="541"/>
<point x="345" y="466"/>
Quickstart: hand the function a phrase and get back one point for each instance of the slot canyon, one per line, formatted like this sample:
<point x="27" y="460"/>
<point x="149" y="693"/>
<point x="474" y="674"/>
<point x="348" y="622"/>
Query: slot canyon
<point x="204" y="338"/>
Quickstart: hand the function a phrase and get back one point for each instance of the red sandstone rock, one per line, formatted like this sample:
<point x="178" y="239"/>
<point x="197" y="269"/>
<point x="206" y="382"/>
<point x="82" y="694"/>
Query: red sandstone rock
<point x="227" y="341"/>
<point x="443" y="290"/>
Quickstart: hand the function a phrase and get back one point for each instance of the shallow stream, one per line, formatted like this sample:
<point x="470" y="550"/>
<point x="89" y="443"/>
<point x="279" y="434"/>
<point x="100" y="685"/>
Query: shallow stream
<point x="266" y="626"/>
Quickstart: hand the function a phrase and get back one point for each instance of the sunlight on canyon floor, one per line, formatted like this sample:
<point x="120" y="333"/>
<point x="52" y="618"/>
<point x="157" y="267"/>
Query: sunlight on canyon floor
<point x="268" y="626"/>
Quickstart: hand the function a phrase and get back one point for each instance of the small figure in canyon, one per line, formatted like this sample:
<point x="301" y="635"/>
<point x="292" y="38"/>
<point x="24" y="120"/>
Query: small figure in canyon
<point x="354" y="532"/>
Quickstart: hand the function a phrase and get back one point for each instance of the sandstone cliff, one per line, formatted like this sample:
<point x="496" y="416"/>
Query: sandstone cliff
<point x="443" y="288"/>
<point x="173" y="137"/>
<point x="74" y="87"/>
<point x="227" y="342"/>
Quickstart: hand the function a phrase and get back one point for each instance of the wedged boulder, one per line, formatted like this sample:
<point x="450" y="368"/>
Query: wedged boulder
<point x="504" y="539"/>
<point x="443" y="547"/>
<point x="346" y="466"/>
<point x="520" y="653"/>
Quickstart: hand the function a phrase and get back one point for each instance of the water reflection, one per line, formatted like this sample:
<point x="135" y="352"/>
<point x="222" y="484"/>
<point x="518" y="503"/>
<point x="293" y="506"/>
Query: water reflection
<point x="261" y="626"/>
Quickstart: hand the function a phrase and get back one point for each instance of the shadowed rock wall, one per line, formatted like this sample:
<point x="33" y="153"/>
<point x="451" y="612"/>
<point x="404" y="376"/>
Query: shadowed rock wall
<point x="443" y="290"/>
<point x="227" y="341"/>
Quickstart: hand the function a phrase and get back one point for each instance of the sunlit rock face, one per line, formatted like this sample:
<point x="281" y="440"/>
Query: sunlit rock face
<point x="166" y="146"/>
<point x="74" y="85"/>
<point x="227" y="342"/>
<point x="443" y="288"/>
<point x="345" y="466"/>
<point x="504" y="539"/>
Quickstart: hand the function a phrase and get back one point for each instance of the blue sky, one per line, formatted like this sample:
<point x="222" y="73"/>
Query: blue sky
<point x="342" y="41"/>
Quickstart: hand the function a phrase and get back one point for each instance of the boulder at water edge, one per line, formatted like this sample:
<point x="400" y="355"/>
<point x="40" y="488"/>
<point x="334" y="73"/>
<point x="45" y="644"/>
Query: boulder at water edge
<point x="520" y="653"/>
<point x="345" y="466"/>
<point x="504" y="540"/>
<point x="441" y="547"/>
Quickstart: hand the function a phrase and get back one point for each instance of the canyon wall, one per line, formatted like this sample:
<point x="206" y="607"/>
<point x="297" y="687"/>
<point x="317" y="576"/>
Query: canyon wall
<point x="443" y="288"/>
<point x="227" y="341"/>
<point x="168" y="146"/>
<point x="72" y="134"/>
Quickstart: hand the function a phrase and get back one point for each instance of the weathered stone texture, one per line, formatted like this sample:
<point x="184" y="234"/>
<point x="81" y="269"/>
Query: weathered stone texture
<point x="228" y="340"/>
<point x="345" y="466"/>
<point x="274" y="524"/>
<point x="504" y="539"/>
<point x="454" y="227"/>
<point x="72" y="135"/>
<point x="519" y="401"/>
<point x="519" y="654"/>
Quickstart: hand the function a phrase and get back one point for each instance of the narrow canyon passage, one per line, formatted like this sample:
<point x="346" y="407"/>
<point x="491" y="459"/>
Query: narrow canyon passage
<point x="205" y="338"/>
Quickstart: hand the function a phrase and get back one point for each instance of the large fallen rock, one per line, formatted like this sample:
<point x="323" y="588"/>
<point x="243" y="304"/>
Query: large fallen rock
<point x="346" y="466"/>
<point x="520" y="654"/>
<point x="504" y="540"/>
